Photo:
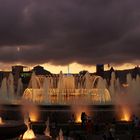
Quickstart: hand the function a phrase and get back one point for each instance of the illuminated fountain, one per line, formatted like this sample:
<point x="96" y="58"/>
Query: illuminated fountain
<point x="47" y="130"/>
<point x="19" y="88"/>
<point x="29" y="134"/>
<point x="78" y="117"/>
<point x="125" y="114"/>
<point x="7" y="92"/>
<point x="67" y="89"/>
<point x="31" y="111"/>
<point x="126" y="96"/>
<point x="60" y="137"/>
<point x="1" y="121"/>
<point x="4" y="90"/>
<point x="77" y="111"/>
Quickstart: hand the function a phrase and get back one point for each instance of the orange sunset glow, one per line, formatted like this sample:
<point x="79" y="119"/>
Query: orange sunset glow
<point x="73" y="67"/>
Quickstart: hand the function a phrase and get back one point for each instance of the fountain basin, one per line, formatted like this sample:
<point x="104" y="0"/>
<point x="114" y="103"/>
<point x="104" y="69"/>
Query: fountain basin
<point x="11" y="129"/>
<point x="40" y="137"/>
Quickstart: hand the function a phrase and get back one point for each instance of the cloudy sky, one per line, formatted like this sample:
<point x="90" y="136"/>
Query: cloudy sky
<point x="82" y="33"/>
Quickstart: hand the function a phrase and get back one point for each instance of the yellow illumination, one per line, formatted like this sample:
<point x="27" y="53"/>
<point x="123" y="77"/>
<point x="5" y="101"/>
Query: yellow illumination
<point x="78" y="117"/>
<point x="33" y="116"/>
<point x="1" y="121"/>
<point x="78" y="111"/>
<point x="125" y="115"/>
<point x="29" y="134"/>
<point x="125" y="85"/>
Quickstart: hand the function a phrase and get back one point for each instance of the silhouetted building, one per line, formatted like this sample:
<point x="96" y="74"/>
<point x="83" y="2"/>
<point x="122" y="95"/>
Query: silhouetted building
<point x="100" y="70"/>
<point x="4" y="74"/>
<point x="111" y="71"/>
<point x="26" y="76"/>
<point x="83" y="72"/>
<point x="39" y="70"/>
<point x="16" y="71"/>
<point x="135" y="72"/>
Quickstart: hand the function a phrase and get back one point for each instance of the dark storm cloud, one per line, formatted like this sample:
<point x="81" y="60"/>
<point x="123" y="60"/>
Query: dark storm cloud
<point x="65" y="31"/>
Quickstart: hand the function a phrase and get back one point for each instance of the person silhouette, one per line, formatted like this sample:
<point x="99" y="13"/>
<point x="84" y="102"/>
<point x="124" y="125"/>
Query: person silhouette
<point x="83" y="119"/>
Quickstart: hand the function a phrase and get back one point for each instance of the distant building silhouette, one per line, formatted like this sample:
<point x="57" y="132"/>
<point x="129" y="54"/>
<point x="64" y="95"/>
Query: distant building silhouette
<point x="136" y="71"/>
<point x="16" y="71"/>
<point x="83" y="72"/>
<point x="19" y="71"/>
<point x="39" y="70"/>
<point x="100" y="70"/>
<point x="26" y="75"/>
<point x="4" y="74"/>
<point x="111" y="71"/>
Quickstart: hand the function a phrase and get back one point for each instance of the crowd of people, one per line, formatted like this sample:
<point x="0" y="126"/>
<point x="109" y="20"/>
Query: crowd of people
<point x="108" y="131"/>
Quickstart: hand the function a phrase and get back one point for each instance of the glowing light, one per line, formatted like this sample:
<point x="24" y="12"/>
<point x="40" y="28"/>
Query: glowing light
<point x="78" y="111"/>
<point x="18" y="49"/>
<point x="33" y="116"/>
<point x="125" y="85"/>
<point x="1" y="121"/>
<point x="125" y="116"/>
<point x="78" y="117"/>
<point x="29" y="134"/>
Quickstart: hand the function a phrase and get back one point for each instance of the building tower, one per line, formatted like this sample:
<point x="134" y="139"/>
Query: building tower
<point x="100" y="70"/>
